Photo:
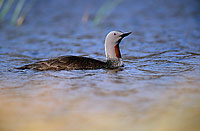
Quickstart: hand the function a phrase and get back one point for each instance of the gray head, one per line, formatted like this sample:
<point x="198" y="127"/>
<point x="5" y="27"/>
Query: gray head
<point x="112" y="45"/>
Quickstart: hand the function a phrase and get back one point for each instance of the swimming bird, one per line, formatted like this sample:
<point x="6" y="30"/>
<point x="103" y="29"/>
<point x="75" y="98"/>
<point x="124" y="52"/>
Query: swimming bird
<point x="112" y="51"/>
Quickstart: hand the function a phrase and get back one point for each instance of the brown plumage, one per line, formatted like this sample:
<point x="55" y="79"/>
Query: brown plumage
<point x="67" y="63"/>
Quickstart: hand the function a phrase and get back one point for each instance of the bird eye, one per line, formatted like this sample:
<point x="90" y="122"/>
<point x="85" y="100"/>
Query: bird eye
<point x="114" y="33"/>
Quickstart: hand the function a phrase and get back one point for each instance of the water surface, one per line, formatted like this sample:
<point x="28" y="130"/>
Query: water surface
<point x="157" y="89"/>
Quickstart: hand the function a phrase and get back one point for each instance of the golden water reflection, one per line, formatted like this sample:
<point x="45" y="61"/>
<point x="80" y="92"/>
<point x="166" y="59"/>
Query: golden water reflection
<point x="48" y="108"/>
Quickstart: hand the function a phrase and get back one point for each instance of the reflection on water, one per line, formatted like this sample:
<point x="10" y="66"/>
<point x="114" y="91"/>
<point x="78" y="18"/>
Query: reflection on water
<point x="156" y="90"/>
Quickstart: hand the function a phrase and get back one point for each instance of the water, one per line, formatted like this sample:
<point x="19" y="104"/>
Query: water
<point x="158" y="89"/>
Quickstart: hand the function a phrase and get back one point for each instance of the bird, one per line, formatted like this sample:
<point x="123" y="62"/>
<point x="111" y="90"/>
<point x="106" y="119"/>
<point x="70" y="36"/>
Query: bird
<point x="112" y="52"/>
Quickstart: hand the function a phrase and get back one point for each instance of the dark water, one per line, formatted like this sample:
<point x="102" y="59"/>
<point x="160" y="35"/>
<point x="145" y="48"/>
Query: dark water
<point x="158" y="89"/>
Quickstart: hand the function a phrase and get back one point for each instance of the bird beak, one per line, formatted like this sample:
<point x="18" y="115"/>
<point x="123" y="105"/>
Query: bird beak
<point x="125" y="34"/>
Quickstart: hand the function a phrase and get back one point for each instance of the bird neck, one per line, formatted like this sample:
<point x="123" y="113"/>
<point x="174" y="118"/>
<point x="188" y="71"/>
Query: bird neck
<point x="113" y="55"/>
<point x="112" y="51"/>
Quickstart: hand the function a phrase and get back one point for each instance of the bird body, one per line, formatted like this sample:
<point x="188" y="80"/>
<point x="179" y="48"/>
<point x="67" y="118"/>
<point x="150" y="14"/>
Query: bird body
<point x="67" y="63"/>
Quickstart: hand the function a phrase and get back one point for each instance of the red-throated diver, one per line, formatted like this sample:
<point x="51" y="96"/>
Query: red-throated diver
<point x="113" y="58"/>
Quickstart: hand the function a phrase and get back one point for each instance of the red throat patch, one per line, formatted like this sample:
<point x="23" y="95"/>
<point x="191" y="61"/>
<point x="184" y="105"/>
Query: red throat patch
<point x="117" y="52"/>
